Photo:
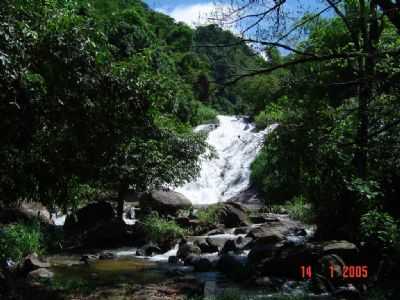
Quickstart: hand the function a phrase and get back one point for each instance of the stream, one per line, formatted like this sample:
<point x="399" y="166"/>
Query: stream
<point x="236" y="143"/>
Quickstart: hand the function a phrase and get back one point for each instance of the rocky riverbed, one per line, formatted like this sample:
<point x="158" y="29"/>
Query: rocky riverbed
<point x="254" y="252"/>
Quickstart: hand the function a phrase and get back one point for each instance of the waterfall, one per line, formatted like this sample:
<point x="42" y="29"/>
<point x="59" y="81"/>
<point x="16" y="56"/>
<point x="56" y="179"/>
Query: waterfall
<point x="236" y="143"/>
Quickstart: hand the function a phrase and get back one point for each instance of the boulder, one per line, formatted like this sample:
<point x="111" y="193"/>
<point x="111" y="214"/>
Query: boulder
<point x="32" y="262"/>
<point x="164" y="202"/>
<point x="40" y="274"/>
<point x="280" y="259"/>
<point x="26" y="212"/>
<point x="89" y="258"/>
<point x="216" y="231"/>
<point x="201" y="263"/>
<point x="217" y="242"/>
<point x="107" y="256"/>
<point x="348" y="292"/>
<point x="233" y="266"/>
<point x="237" y="245"/>
<point x="89" y="216"/>
<point x="173" y="260"/>
<point x="241" y="230"/>
<point x="233" y="215"/>
<point x="186" y="249"/>
<point x="344" y="249"/>
<point x="110" y="234"/>
<point x="230" y="246"/>
<point x="331" y="263"/>
<point x="206" y="247"/>
<point x="149" y="249"/>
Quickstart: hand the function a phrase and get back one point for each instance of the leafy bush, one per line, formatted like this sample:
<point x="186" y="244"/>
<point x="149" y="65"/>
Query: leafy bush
<point x="162" y="230"/>
<point x="273" y="113"/>
<point x="204" y="114"/>
<point x="19" y="240"/>
<point x="379" y="229"/>
<point x="209" y="214"/>
<point x="299" y="209"/>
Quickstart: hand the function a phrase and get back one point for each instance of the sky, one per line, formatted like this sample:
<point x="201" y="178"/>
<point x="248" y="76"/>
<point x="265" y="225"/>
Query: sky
<point x="193" y="12"/>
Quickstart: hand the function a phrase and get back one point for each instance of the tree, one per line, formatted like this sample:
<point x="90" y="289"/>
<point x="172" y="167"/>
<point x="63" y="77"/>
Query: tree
<point x="359" y="58"/>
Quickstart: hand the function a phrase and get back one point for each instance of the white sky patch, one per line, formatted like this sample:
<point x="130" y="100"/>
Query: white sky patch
<point x="197" y="14"/>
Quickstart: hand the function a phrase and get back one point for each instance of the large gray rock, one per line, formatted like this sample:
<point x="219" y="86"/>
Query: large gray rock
<point x="33" y="262"/>
<point x="233" y="215"/>
<point x="164" y="202"/>
<point x="41" y="273"/>
<point x="89" y="216"/>
<point x="185" y="249"/>
<point x="26" y="212"/>
<point x="234" y="266"/>
<point x="349" y="252"/>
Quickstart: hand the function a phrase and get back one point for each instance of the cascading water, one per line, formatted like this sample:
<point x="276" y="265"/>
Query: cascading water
<point x="236" y="143"/>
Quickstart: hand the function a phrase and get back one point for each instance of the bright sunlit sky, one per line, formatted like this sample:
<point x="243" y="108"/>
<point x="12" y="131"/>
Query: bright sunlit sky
<point x="193" y="11"/>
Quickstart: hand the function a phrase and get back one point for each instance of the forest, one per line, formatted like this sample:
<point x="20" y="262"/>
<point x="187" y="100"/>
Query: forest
<point x="113" y="115"/>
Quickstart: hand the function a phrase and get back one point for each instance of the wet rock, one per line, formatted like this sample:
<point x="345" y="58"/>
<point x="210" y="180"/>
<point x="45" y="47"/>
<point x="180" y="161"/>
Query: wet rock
<point x="173" y="260"/>
<point x="164" y="202"/>
<point x="130" y="213"/>
<point x="269" y="234"/>
<point x="289" y="261"/>
<point x="331" y="263"/>
<point x="233" y="266"/>
<point x="215" y="232"/>
<point x="41" y="273"/>
<point x="244" y="243"/>
<point x="32" y="262"/>
<point x="89" y="258"/>
<point x="321" y="284"/>
<point x="265" y="282"/>
<point x="241" y="230"/>
<point x="348" y="292"/>
<point x="201" y="263"/>
<point x="233" y="214"/>
<point x="185" y="249"/>
<point x="206" y="247"/>
<point x="217" y="242"/>
<point x="344" y="249"/>
<point x="110" y="234"/>
<point x="280" y="259"/>
<point x="89" y="216"/>
<point x="230" y="246"/>
<point x="238" y="245"/>
<point x="149" y="249"/>
<point x="107" y="256"/>
<point x="258" y="219"/>
<point x="26" y="212"/>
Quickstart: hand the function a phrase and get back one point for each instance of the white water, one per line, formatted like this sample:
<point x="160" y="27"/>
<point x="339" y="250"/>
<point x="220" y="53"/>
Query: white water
<point x="236" y="144"/>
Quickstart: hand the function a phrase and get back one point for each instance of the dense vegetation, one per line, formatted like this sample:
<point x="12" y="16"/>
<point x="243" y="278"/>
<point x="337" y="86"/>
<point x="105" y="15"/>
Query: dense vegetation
<point x="101" y="96"/>
<point x="337" y="145"/>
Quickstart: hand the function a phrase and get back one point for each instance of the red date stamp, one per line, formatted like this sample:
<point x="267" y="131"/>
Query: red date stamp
<point x="345" y="272"/>
<point x="351" y="272"/>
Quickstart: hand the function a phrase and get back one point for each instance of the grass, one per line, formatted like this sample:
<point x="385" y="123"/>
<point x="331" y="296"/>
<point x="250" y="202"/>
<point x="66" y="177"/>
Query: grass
<point x="19" y="240"/>
<point x="161" y="230"/>
<point x="233" y="294"/>
<point x="209" y="214"/>
<point x="299" y="209"/>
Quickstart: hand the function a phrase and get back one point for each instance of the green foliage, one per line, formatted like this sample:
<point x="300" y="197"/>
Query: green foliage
<point x="273" y="113"/>
<point x="19" y="240"/>
<point x="379" y="229"/>
<point x="162" y="230"/>
<point x="209" y="214"/>
<point x="233" y="294"/>
<point x="204" y="114"/>
<point x="299" y="209"/>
